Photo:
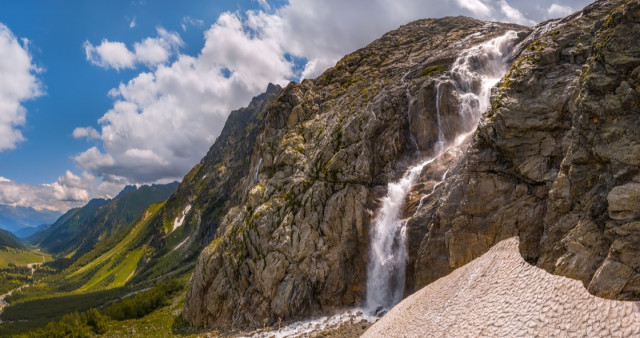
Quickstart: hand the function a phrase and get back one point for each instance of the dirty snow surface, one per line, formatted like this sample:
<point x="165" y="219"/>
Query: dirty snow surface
<point x="499" y="294"/>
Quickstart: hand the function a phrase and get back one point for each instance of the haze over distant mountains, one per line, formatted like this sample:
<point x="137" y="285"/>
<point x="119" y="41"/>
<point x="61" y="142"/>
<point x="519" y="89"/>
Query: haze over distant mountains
<point x="22" y="221"/>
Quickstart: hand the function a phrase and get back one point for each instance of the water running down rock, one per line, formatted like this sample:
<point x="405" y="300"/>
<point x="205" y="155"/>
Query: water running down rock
<point x="472" y="76"/>
<point x="296" y="246"/>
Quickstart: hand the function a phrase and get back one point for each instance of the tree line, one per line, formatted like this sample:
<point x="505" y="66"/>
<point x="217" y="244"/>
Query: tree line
<point x="93" y="322"/>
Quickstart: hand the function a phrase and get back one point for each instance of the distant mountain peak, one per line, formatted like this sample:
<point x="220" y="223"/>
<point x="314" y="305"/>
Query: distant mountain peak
<point x="14" y="218"/>
<point x="125" y="190"/>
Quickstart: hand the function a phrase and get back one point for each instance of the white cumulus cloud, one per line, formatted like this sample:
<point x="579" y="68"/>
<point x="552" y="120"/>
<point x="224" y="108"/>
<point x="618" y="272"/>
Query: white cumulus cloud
<point x="163" y="122"/>
<point x="68" y="191"/>
<point x="18" y="83"/>
<point x="558" y="11"/>
<point x="110" y="54"/>
<point x="150" y="51"/>
<point x="71" y="188"/>
<point x="86" y="132"/>
<point x="476" y="6"/>
<point x="514" y="15"/>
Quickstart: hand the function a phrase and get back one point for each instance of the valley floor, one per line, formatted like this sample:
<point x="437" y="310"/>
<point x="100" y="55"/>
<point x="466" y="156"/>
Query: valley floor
<point x="501" y="295"/>
<point x="21" y="257"/>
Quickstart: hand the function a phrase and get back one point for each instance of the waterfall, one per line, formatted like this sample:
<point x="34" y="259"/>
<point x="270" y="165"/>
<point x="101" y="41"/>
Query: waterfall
<point x="255" y="177"/>
<point x="441" y="140"/>
<point x="473" y="74"/>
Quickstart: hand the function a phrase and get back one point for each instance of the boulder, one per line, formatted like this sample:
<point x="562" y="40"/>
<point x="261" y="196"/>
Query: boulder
<point x="624" y="201"/>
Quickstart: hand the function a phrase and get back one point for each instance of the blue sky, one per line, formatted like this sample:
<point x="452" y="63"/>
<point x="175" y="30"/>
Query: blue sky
<point x="130" y="92"/>
<point x="76" y="91"/>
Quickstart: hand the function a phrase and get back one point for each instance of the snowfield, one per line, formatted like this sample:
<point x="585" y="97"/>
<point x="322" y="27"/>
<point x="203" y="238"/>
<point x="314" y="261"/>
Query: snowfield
<point x="499" y="294"/>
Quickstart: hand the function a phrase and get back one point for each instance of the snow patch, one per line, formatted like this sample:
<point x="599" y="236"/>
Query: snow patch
<point x="499" y="294"/>
<point x="180" y="219"/>
<point x="180" y="244"/>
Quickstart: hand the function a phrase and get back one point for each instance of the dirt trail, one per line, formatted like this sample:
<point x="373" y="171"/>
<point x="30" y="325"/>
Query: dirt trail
<point x="32" y="266"/>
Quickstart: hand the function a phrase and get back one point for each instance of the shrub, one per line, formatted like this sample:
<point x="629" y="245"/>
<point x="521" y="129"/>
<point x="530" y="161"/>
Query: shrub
<point x="143" y="303"/>
<point x="84" y="324"/>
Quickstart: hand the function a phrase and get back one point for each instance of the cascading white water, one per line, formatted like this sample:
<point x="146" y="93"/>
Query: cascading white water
<point x="388" y="255"/>
<point x="255" y="177"/>
<point x="473" y="74"/>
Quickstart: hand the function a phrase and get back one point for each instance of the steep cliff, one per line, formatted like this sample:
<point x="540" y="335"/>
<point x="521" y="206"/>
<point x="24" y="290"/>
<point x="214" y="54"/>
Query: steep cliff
<point x="298" y="242"/>
<point x="555" y="161"/>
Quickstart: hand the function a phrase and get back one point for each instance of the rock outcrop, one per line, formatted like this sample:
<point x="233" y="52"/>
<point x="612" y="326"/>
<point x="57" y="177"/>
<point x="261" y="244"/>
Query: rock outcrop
<point x="555" y="160"/>
<point x="298" y="242"/>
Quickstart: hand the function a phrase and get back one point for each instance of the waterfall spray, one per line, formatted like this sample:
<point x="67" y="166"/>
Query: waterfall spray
<point x="473" y="74"/>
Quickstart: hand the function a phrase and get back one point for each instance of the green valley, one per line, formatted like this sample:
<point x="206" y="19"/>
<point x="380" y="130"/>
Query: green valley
<point x="12" y="256"/>
<point x="130" y="258"/>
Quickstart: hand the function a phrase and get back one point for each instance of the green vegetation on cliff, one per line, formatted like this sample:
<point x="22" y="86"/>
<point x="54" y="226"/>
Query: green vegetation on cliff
<point x="81" y="229"/>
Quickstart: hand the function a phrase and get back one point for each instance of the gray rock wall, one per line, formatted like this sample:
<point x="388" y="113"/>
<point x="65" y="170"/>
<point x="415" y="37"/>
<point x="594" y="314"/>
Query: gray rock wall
<point x="297" y="245"/>
<point x="555" y="161"/>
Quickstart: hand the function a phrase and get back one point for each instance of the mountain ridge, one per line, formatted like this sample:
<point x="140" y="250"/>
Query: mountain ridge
<point x="277" y="220"/>
<point x="297" y="245"/>
<point x="9" y="240"/>
<point x="80" y="229"/>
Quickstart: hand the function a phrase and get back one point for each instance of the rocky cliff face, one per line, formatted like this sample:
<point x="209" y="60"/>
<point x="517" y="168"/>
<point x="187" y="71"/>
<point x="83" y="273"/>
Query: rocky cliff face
<point x="554" y="161"/>
<point x="189" y="219"/>
<point x="298" y="243"/>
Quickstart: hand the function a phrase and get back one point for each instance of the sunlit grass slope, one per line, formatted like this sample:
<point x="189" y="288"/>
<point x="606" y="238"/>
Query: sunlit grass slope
<point x="116" y="266"/>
